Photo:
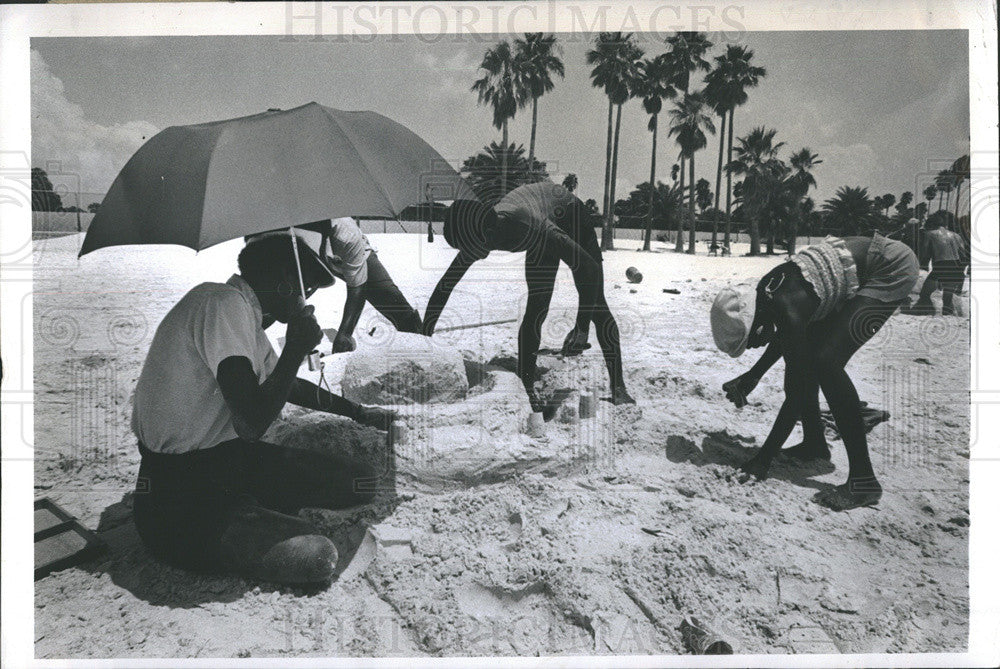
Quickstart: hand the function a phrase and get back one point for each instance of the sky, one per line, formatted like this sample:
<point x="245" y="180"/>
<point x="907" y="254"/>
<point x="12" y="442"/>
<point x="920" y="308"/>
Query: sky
<point x="883" y="109"/>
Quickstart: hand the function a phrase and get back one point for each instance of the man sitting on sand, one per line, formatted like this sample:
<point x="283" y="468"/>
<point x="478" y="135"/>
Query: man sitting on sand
<point x="551" y="225"/>
<point x="349" y="255"/>
<point x="816" y="310"/>
<point x="210" y="495"/>
<point x="949" y="254"/>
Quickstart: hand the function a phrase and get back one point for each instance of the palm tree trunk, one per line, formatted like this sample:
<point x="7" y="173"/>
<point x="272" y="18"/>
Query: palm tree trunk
<point x="754" y="230"/>
<point x="718" y="179"/>
<point x="531" y="146"/>
<point x="503" y="164"/>
<point x="679" y="242"/>
<point x="958" y="195"/>
<point x="729" y="178"/>
<point x="770" y="238"/>
<point x="614" y="173"/>
<point x="607" y="241"/>
<point x="652" y="191"/>
<point x="694" y="225"/>
<point x="940" y="197"/>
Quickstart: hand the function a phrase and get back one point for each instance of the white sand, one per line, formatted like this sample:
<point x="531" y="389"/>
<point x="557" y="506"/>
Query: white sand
<point x="595" y="540"/>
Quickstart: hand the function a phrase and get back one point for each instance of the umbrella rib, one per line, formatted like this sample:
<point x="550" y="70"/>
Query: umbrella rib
<point x="364" y="162"/>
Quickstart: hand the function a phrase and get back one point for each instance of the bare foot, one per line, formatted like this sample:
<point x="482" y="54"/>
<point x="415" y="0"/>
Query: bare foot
<point x="851" y="495"/>
<point x="806" y="452"/>
<point x="620" y="396"/>
<point x="755" y="467"/>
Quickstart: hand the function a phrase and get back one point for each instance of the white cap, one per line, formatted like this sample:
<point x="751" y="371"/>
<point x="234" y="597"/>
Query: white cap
<point x="732" y="314"/>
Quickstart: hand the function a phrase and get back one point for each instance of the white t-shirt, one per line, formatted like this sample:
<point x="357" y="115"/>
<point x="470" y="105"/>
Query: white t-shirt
<point x="178" y="405"/>
<point x="348" y="250"/>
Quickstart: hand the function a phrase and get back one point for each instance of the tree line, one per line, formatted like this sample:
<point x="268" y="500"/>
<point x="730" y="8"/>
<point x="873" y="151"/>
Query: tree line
<point x="765" y="193"/>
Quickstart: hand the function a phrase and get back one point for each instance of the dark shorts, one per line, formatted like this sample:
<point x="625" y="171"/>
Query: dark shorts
<point x="949" y="273"/>
<point x="184" y="503"/>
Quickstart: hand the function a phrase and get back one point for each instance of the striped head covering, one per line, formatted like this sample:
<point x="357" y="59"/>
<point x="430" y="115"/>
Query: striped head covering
<point x="829" y="267"/>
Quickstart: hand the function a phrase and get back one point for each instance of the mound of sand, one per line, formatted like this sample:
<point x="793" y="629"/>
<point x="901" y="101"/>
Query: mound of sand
<point x="410" y="369"/>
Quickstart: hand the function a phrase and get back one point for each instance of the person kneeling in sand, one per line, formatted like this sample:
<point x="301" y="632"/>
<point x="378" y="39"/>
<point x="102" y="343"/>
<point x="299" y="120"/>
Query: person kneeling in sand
<point x="816" y="310"/>
<point x="210" y="495"/>
<point x="550" y="224"/>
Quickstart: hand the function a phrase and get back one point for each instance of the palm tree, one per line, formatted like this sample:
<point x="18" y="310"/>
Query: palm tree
<point x="570" y="182"/>
<point x="904" y="204"/>
<point x="688" y="122"/>
<point x="727" y="86"/>
<point x="653" y="85"/>
<point x="500" y="88"/>
<point x="614" y="59"/>
<point x="537" y="58"/>
<point x="686" y="55"/>
<point x="801" y="180"/>
<point x="703" y="190"/>
<point x="496" y="168"/>
<point x="943" y="184"/>
<point x="930" y="193"/>
<point x="960" y="169"/>
<point x="756" y="160"/>
<point x="887" y="201"/>
<point x="850" y="211"/>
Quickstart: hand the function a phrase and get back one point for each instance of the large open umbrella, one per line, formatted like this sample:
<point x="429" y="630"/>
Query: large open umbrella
<point x="203" y="184"/>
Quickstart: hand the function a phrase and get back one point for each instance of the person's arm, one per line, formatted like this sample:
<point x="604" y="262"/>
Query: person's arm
<point x="353" y="306"/>
<point x="255" y="405"/>
<point x="739" y="388"/>
<point x="308" y="395"/>
<point x="925" y="251"/>
<point x="442" y="291"/>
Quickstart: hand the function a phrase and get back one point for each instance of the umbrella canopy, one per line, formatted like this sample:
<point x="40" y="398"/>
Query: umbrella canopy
<point x="203" y="184"/>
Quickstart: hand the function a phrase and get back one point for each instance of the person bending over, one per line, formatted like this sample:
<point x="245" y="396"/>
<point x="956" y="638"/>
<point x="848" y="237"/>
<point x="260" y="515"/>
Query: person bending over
<point x="550" y="224"/>
<point x="816" y="310"/>
<point x="211" y="496"/>
<point x="349" y="256"/>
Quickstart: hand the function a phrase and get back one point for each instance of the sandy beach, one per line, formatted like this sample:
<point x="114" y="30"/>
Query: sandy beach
<point x="596" y="539"/>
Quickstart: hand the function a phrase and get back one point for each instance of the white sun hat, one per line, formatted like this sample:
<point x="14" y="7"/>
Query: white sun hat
<point x="732" y="314"/>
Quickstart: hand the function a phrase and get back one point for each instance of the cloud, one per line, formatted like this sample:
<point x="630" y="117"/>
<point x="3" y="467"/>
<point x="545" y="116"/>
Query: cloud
<point x="88" y="153"/>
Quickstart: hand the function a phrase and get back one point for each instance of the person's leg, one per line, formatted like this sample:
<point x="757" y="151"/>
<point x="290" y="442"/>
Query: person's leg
<point x="951" y="281"/>
<point x="288" y="479"/>
<point x="263" y="544"/>
<point x="576" y="342"/>
<point x="540" y="276"/>
<point x="609" y="337"/>
<point x="849" y="329"/>
<point x="190" y="513"/>
<point x="384" y="295"/>
<point x="813" y="446"/>
<point x="923" y="306"/>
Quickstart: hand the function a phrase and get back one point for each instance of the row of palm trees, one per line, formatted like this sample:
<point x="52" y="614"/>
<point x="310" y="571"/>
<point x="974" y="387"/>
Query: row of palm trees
<point x="770" y="196"/>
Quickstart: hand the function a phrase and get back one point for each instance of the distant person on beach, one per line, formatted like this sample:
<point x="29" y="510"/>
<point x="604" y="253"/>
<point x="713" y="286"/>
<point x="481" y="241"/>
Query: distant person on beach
<point x="349" y="256"/>
<point x="551" y="225"/>
<point x="210" y="495"/>
<point x="816" y="310"/>
<point x="949" y="254"/>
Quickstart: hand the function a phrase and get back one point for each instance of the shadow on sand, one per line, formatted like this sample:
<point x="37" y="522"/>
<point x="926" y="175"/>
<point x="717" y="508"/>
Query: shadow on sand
<point x="722" y="448"/>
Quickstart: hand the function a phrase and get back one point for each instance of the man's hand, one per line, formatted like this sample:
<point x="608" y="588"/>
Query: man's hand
<point x="343" y="344"/>
<point x="739" y="388"/>
<point x="303" y="334"/>
<point x="376" y="417"/>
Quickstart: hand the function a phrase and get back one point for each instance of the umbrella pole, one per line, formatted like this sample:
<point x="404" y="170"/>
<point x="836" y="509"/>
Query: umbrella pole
<point x="298" y="264"/>
<point x="313" y="358"/>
